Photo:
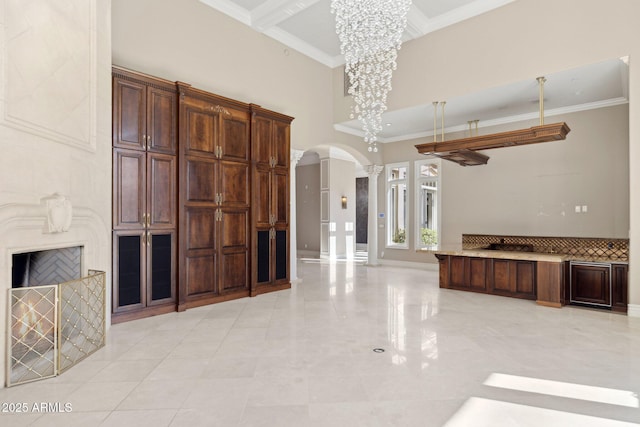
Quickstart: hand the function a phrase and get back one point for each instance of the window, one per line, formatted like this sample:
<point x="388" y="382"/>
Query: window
<point x="397" y="204"/>
<point x="427" y="203"/>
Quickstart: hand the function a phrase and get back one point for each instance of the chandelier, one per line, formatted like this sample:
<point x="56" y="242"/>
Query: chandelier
<point x="370" y="33"/>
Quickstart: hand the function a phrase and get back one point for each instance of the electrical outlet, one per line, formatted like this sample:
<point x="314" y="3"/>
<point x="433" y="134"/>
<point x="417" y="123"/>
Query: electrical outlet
<point x="584" y="208"/>
<point x="577" y="209"/>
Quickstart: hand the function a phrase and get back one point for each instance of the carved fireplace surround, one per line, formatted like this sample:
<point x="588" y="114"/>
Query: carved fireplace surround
<point x="51" y="224"/>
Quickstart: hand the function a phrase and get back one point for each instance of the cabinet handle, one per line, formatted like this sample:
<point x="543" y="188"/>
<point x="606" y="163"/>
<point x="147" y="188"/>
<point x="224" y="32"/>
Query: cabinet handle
<point x="144" y="142"/>
<point x="148" y="141"/>
<point x="148" y="238"/>
<point x="144" y="219"/>
<point x="148" y="220"/>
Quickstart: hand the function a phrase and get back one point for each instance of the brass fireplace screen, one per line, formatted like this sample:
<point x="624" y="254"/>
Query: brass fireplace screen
<point x="53" y="327"/>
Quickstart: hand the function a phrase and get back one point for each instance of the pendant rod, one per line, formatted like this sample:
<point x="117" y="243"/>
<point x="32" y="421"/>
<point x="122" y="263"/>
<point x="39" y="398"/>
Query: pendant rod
<point x="541" y="81"/>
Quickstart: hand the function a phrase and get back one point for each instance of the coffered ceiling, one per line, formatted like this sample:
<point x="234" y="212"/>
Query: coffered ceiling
<point x="309" y="27"/>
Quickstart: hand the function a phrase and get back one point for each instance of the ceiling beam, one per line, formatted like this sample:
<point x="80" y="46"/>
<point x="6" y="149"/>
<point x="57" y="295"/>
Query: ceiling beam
<point x="273" y="12"/>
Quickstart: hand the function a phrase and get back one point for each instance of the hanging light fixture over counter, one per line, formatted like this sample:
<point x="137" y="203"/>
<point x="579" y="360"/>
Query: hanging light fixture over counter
<point x="464" y="150"/>
<point x="370" y="34"/>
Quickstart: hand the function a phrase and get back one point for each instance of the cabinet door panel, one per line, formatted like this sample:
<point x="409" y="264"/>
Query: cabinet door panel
<point x="129" y="182"/>
<point x="619" y="287"/>
<point x="128" y="265"/>
<point x="200" y="229"/>
<point x="233" y="229"/>
<point x="502" y="276"/>
<point x="234" y="141"/>
<point x="478" y="273"/>
<point x="200" y="275"/>
<point x="129" y="106"/>
<point x="281" y="256"/>
<point x="262" y="139"/>
<point x="234" y="184"/>
<point x="234" y="266"/>
<point x="590" y="284"/>
<point x="280" y="194"/>
<point x="161" y="120"/>
<point x="200" y="180"/>
<point x="263" y="256"/>
<point x="161" y="204"/>
<point x="457" y="272"/>
<point x="262" y="199"/>
<point x="201" y="129"/>
<point x="161" y="247"/>
<point x="525" y="277"/>
<point x="281" y="144"/>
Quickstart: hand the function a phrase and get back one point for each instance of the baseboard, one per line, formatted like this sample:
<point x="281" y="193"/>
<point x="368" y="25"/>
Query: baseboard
<point x="409" y="264"/>
<point x="302" y="253"/>
<point x="633" y="310"/>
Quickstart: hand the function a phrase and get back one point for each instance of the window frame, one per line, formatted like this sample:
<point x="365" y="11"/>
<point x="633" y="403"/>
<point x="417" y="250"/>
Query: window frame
<point x="389" y="183"/>
<point x="418" y="181"/>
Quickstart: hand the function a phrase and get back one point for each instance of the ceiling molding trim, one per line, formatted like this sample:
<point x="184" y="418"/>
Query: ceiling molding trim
<point x="416" y="23"/>
<point x="273" y="12"/>
<point x="462" y="13"/>
<point x="494" y="122"/>
<point x="293" y="42"/>
<point x="230" y="9"/>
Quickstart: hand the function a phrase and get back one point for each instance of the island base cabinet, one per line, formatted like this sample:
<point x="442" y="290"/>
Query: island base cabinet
<point x="514" y="278"/>
<point x="504" y="277"/>
<point x="550" y="283"/>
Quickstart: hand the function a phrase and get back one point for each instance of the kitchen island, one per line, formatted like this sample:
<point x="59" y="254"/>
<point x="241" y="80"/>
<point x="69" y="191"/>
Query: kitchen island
<point x="551" y="271"/>
<point x="528" y="275"/>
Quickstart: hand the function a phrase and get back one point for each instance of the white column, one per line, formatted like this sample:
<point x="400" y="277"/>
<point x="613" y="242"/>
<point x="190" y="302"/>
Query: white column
<point x="296" y="155"/>
<point x="372" y="230"/>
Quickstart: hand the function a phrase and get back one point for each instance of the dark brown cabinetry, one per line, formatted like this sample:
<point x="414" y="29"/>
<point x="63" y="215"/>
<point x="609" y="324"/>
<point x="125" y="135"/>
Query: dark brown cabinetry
<point x="144" y="202"/>
<point x="514" y="278"/>
<point x="270" y="206"/>
<point x="590" y="283"/>
<point x="619" y="285"/>
<point x="469" y="273"/>
<point x="505" y="277"/>
<point x="200" y="197"/>
<point x="214" y="198"/>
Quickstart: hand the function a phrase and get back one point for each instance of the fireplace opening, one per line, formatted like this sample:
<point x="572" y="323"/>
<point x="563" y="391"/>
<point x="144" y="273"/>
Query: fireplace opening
<point x="46" y="267"/>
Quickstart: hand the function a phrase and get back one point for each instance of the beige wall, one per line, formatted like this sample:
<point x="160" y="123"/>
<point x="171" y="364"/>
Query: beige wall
<point x="188" y="41"/>
<point x="308" y="207"/>
<point x="342" y="182"/>
<point x="521" y="41"/>
<point x="533" y="190"/>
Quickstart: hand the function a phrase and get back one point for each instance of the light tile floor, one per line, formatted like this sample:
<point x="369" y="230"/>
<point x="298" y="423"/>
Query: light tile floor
<point x="304" y="357"/>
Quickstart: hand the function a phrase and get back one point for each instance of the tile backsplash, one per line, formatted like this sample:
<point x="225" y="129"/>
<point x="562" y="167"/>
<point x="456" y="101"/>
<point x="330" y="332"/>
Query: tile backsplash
<point x="574" y="247"/>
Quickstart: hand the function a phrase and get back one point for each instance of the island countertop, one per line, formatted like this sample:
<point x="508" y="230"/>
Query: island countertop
<point x="482" y="252"/>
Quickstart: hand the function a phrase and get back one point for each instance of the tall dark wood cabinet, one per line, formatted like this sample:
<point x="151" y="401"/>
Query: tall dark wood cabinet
<point x="200" y="197"/>
<point x="270" y="144"/>
<point x="144" y="190"/>
<point x="214" y="198"/>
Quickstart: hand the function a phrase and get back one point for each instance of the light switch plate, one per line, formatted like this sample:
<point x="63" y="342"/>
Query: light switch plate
<point x="577" y="209"/>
